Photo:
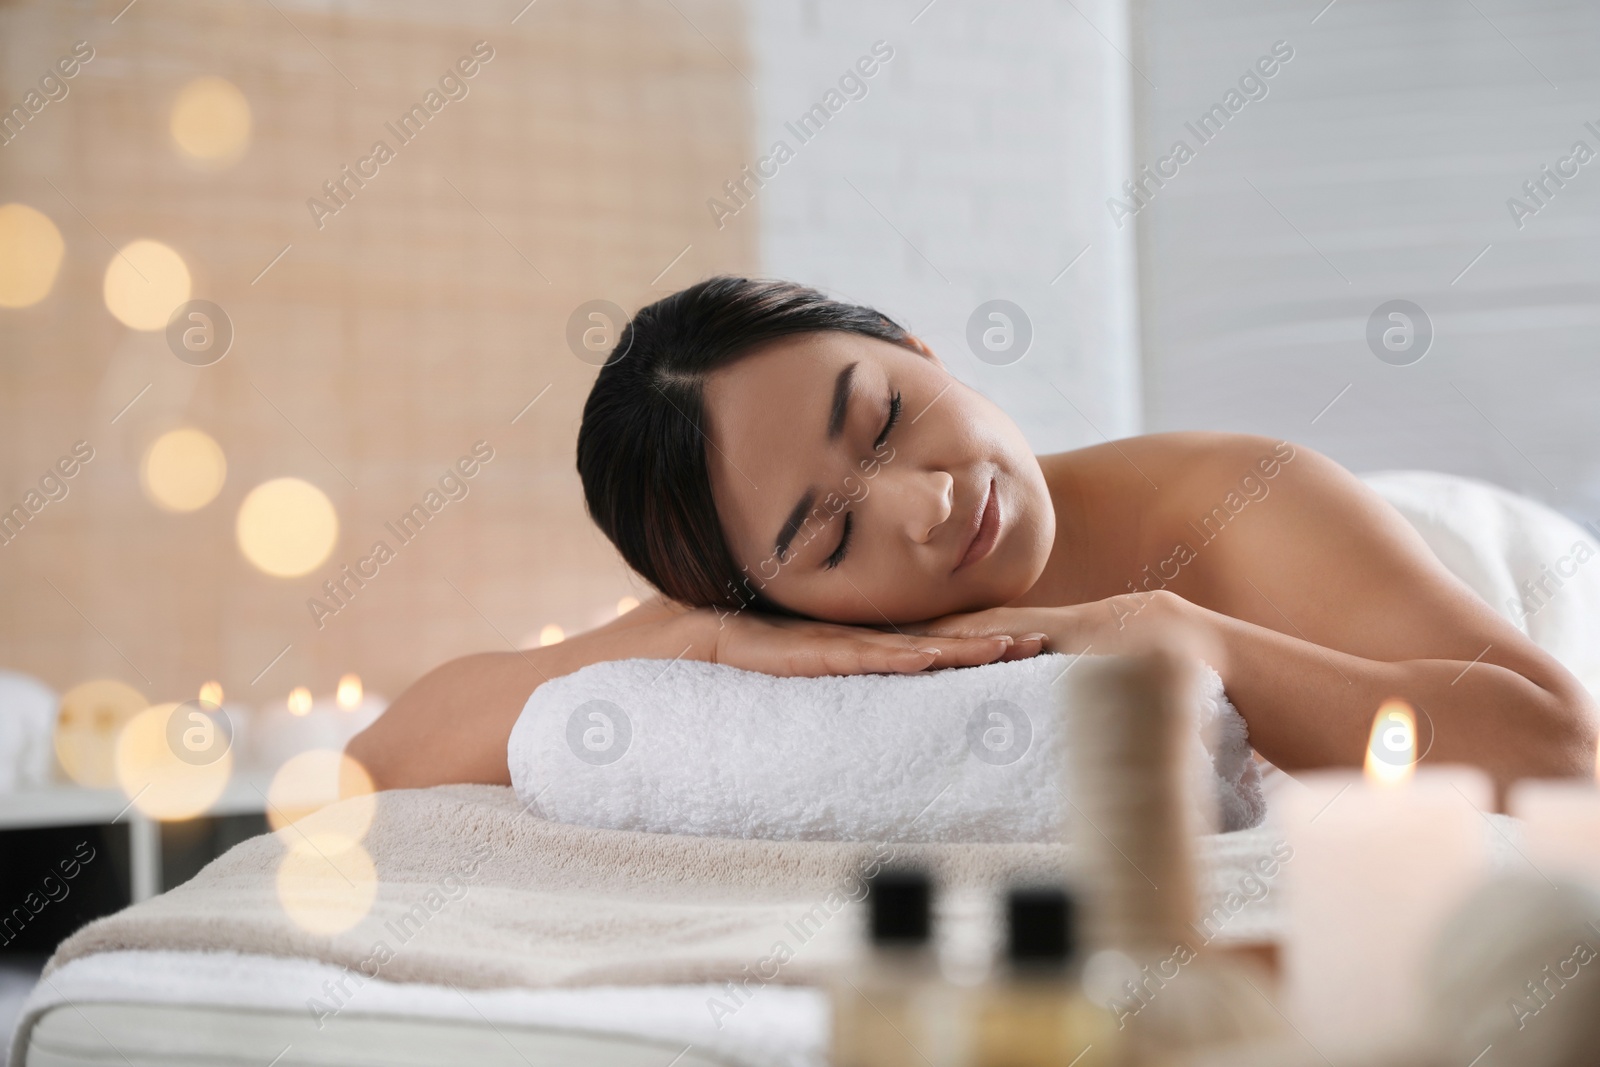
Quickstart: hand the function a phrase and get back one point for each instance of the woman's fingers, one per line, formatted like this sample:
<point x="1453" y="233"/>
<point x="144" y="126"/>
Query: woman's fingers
<point x="1026" y="646"/>
<point x="838" y="649"/>
<point x="929" y="653"/>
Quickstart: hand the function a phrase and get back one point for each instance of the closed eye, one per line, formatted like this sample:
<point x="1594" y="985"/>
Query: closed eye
<point x="838" y="554"/>
<point x="894" y="417"/>
<point x="844" y="543"/>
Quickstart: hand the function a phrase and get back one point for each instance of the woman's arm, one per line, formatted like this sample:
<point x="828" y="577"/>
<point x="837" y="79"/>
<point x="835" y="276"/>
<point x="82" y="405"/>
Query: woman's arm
<point x="453" y="724"/>
<point x="1308" y="705"/>
<point x="1327" y="601"/>
<point x="1318" y="602"/>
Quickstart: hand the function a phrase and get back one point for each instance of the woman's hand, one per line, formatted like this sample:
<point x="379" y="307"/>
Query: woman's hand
<point x="774" y="644"/>
<point x="1122" y="624"/>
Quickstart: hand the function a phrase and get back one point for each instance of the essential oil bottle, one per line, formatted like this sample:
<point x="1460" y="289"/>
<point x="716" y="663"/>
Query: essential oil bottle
<point x="1034" y="1013"/>
<point x="878" y="1014"/>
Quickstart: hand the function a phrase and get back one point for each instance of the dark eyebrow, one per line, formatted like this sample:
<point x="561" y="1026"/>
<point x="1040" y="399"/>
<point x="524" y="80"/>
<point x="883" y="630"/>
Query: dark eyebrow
<point x="836" y="417"/>
<point x="841" y="401"/>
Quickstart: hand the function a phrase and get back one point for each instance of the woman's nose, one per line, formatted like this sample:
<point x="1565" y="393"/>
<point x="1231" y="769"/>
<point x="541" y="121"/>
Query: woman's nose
<point x="922" y="501"/>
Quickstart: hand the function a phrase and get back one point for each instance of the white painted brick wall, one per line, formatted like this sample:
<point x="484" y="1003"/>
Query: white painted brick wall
<point x="987" y="142"/>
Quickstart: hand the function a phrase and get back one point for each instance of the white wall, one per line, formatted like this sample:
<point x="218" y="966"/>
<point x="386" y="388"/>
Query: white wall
<point x="978" y="160"/>
<point x="1381" y="162"/>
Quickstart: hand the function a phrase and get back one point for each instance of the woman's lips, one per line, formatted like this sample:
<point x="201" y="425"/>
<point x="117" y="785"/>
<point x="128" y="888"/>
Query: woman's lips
<point x="987" y="531"/>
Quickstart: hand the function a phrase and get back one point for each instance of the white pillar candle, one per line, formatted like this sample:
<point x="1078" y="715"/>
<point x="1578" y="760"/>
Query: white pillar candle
<point x="1380" y="860"/>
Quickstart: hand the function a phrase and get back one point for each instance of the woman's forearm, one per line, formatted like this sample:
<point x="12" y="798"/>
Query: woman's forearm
<point x="1310" y="706"/>
<point x="452" y="724"/>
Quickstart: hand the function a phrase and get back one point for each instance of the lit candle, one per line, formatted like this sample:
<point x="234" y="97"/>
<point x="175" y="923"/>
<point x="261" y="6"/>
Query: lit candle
<point x="348" y="695"/>
<point x="287" y="727"/>
<point x="1379" y="861"/>
<point x="353" y="709"/>
<point x="1562" y="825"/>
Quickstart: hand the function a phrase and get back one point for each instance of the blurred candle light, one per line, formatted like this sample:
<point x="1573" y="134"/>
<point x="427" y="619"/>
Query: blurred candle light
<point x="159" y="781"/>
<point x="348" y="695"/>
<point x="1392" y="747"/>
<point x="92" y="715"/>
<point x="1379" y="860"/>
<point x="627" y="604"/>
<point x="286" y="527"/>
<point x="183" y="470"/>
<point x="315" y="780"/>
<point x="30" y="255"/>
<point x="210" y="122"/>
<point x="325" y="890"/>
<point x="145" y="281"/>
<point x="300" y="701"/>
<point x="321" y="804"/>
<point x="211" y="693"/>
<point x="551" y="634"/>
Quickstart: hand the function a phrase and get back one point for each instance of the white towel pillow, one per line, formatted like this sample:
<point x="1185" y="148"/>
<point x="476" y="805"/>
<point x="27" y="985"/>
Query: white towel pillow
<point x="968" y="754"/>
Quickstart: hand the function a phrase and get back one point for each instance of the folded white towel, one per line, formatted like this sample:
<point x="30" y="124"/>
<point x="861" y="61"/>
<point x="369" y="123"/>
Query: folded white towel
<point x="969" y="754"/>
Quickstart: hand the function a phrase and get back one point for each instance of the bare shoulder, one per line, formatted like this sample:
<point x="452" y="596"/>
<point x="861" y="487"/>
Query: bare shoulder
<point x="1178" y="460"/>
<point x="1189" y="454"/>
<point x="1311" y="550"/>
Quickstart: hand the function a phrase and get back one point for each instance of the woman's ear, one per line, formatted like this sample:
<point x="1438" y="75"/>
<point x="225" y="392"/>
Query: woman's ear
<point x="920" y="346"/>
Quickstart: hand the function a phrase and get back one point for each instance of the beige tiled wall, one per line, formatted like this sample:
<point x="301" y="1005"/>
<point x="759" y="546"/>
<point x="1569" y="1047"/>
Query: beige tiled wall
<point x="420" y="319"/>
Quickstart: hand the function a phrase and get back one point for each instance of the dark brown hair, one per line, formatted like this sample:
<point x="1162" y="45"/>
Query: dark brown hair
<point x="641" y="450"/>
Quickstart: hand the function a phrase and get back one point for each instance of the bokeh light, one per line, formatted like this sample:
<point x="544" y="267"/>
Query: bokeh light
<point x="325" y="889"/>
<point x="348" y="695"/>
<point x="321" y="793"/>
<point x="183" y="470"/>
<point x="299" y="702"/>
<point x="211" y="693"/>
<point x="30" y="255"/>
<point x="287" y="527"/>
<point x="92" y="716"/>
<point x="211" y="121"/>
<point x="145" y="281"/>
<point x="627" y="604"/>
<point x="551" y="635"/>
<point x="152" y="776"/>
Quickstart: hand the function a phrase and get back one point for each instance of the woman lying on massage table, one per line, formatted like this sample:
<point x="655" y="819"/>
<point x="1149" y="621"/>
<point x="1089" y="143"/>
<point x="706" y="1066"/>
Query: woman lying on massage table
<point x="814" y="493"/>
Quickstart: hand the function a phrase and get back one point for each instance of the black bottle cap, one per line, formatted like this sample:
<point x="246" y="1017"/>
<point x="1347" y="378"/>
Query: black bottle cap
<point x="1040" y="922"/>
<point x="900" y="902"/>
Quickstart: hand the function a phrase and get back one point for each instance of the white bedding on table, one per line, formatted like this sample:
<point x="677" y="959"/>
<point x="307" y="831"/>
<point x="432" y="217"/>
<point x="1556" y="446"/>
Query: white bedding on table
<point x="778" y="1026"/>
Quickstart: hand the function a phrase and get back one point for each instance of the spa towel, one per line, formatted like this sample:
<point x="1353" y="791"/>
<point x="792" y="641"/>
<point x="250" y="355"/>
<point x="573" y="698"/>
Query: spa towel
<point x="1532" y="564"/>
<point x="966" y="754"/>
<point x="459" y="886"/>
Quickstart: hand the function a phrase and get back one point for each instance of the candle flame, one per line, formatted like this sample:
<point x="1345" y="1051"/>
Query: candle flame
<point x="299" y="701"/>
<point x="349" y="692"/>
<point x="1392" y="749"/>
<point x="211" y="693"/>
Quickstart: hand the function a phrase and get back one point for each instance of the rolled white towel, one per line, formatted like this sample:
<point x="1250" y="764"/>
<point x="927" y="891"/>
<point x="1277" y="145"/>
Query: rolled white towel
<point x="969" y="754"/>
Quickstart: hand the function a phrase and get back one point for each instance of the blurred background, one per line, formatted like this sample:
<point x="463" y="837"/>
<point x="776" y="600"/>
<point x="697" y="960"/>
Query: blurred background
<point x="284" y="281"/>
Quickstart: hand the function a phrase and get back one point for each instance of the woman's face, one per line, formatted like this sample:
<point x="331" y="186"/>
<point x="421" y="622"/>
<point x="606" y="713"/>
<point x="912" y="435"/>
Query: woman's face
<point x="843" y="508"/>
